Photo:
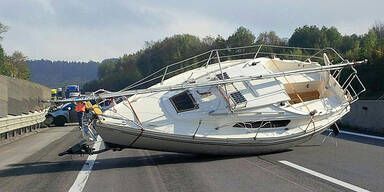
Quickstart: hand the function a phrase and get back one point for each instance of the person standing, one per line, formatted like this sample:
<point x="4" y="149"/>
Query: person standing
<point x="80" y="109"/>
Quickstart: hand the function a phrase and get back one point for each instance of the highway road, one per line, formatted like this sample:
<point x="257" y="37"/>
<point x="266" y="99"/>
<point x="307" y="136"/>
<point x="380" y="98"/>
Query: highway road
<point x="32" y="164"/>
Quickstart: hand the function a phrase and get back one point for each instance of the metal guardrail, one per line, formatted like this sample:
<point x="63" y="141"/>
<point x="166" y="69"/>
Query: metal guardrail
<point x="13" y="123"/>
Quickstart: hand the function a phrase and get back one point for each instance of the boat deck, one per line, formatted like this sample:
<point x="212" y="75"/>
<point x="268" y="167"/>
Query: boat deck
<point x="216" y="114"/>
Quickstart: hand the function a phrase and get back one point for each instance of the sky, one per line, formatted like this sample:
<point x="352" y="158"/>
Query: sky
<point x="83" y="30"/>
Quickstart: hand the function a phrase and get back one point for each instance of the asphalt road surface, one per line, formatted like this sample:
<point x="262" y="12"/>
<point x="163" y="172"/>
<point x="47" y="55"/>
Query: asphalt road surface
<point x="32" y="164"/>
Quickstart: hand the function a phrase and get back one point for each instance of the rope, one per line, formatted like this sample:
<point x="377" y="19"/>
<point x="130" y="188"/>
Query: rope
<point x="291" y="86"/>
<point x="138" y="124"/>
<point x="226" y="99"/>
<point x="297" y="94"/>
<point x="134" y="113"/>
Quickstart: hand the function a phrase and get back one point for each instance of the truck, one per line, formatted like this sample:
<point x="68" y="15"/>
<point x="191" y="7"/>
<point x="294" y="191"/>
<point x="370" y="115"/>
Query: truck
<point x="72" y="91"/>
<point x="59" y="94"/>
<point x="53" y="94"/>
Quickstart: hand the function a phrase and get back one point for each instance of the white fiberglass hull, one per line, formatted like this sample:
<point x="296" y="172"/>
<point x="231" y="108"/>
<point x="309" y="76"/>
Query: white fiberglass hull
<point x="124" y="137"/>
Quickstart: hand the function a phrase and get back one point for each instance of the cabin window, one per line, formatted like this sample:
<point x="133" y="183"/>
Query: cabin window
<point x="263" y="124"/>
<point x="184" y="102"/>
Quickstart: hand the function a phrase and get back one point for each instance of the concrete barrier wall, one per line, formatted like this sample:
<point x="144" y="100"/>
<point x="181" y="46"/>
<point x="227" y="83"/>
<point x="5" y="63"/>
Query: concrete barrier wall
<point x="21" y="97"/>
<point x="366" y="115"/>
<point x="3" y="97"/>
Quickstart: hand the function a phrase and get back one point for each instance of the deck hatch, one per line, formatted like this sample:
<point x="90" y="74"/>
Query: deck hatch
<point x="184" y="101"/>
<point x="238" y="97"/>
<point x="225" y="74"/>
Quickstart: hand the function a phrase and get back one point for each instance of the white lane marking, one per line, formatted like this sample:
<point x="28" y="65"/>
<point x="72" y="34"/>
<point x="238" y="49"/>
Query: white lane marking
<point x="83" y="175"/>
<point x="325" y="177"/>
<point x="362" y="135"/>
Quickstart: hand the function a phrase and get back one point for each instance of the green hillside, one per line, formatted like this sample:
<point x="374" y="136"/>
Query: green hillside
<point x="117" y="74"/>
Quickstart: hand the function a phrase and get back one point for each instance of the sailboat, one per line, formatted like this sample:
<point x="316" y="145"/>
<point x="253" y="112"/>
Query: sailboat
<point x="234" y="101"/>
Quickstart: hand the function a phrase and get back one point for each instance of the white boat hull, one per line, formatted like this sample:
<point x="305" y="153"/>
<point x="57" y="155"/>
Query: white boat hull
<point x="124" y="137"/>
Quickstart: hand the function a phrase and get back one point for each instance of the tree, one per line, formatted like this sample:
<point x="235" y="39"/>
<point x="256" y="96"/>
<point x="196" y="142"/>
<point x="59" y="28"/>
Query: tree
<point x="168" y="51"/>
<point x="219" y="43"/>
<point x="269" y="38"/>
<point x="333" y="37"/>
<point x="17" y="63"/>
<point x="131" y="73"/>
<point x="106" y="68"/>
<point x="308" y="36"/>
<point x="14" y="65"/>
<point x="208" y="41"/>
<point x="3" y="68"/>
<point x="369" y="43"/>
<point x="92" y="85"/>
<point x="3" y="29"/>
<point x="242" y="37"/>
<point x="378" y="28"/>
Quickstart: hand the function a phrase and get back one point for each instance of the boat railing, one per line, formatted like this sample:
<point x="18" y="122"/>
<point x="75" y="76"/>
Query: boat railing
<point x="218" y="56"/>
<point x="350" y="85"/>
<point x="234" y="53"/>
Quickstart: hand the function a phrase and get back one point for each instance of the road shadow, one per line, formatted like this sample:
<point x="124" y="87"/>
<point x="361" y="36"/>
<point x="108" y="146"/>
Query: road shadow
<point x="46" y="167"/>
<point x="355" y="138"/>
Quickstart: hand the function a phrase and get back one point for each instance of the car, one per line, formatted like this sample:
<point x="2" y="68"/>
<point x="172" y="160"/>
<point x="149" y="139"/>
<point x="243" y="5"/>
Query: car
<point x="58" y="116"/>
